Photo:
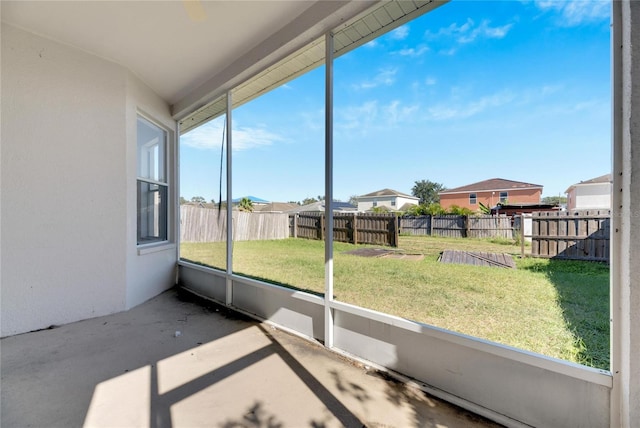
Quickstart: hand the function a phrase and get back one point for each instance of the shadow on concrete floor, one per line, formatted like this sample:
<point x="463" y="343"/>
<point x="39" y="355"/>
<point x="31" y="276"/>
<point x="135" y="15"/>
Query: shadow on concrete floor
<point x="172" y="362"/>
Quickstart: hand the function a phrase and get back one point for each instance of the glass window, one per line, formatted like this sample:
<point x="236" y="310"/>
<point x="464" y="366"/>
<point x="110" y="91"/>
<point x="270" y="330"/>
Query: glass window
<point x="503" y="197"/>
<point x="152" y="186"/>
<point x="473" y="199"/>
<point x="203" y="191"/>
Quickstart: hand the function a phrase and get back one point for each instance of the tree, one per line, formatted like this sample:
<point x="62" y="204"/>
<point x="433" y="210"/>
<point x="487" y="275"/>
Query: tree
<point x="431" y="209"/>
<point x="555" y="200"/>
<point x="380" y="210"/>
<point x="182" y="200"/>
<point x="427" y="191"/>
<point x="198" y="200"/>
<point x="307" y="201"/>
<point x="353" y="200"/>
<point x="245" y="205"/>
<point x="457" y="210"/>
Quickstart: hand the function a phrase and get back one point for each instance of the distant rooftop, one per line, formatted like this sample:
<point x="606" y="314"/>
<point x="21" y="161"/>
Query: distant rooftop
<point x="386" y="192"/>
<point x="607" y="178"/>
<point x="320" y="206"/>
<point x="492" y="184"/>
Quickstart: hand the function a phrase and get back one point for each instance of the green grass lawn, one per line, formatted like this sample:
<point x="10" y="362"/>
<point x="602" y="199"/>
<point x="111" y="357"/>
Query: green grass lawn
<point x="557" y="308"/>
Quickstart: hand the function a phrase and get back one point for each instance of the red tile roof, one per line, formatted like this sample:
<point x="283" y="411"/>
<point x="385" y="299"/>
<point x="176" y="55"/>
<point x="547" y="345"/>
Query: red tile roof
<point x="492" y="184"/>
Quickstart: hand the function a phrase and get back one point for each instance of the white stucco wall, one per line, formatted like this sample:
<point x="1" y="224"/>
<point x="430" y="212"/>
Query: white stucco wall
<point x="63" y="177"/>
<point x="400" y="201"/>
<point x="149" y="271"/>
<point x="592" y="196"/>
<point x="68" y="186"/>
<point x="365" y="204"/>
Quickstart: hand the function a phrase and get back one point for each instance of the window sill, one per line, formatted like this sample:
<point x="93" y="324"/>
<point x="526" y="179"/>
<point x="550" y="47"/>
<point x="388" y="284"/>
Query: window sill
<point x="155" y="248"/>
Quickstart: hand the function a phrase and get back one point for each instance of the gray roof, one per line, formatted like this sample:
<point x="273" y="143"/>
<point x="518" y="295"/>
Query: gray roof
<point x="491" y="184"/>
<point x="386" y="192"/>
<point x="320" y="207"/>
<point x="278" y="207"/>
<point x="607" y="178"/>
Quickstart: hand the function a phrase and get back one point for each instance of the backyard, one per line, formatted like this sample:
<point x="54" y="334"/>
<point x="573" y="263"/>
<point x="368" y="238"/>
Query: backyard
<point x="557" y="308"/>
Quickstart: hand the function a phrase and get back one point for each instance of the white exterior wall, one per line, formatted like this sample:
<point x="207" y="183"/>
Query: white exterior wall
<point x="367" y="204"/>
<point x="401" y="201"/>
<point x="590" y="196"/>
<point x="68" y="187"/>
<point x="152" y="270"/>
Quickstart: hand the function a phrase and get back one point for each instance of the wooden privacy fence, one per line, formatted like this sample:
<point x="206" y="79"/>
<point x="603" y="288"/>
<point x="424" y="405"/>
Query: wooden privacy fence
<point x="210" y="225"/>
<point x="582" y="235"/>
<point x="355" y="228"/>
<point x="458" y="226"/>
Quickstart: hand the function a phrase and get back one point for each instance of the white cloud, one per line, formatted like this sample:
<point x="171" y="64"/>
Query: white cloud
<point x="413" y="52"/>
<point x="357" y="118"/>
<point x="400" y="33"/>
<point x="371" y="44"/>
<point x="371" y="116"/>
<point x="396" y="113"/>
<point x="577" y="12"/>
<point x="470" y="32"/>
<point x="430" y="81"/>
<point x="484" y="31"/>
<point x="471" y="108"/>
<point x="385" y="77"/>
<point x="448" y="52"/>
<point x="209" y="137"/>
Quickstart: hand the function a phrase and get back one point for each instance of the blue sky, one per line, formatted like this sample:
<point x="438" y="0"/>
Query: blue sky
<point x="473" y="90"/>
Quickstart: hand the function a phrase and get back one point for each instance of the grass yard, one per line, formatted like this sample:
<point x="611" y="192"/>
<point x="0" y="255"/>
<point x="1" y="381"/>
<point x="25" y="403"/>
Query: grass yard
<point x="556" y="308"/>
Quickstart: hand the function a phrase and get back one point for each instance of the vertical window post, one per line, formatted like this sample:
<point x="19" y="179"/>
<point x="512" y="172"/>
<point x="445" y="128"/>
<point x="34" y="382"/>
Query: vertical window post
<point x="328" y="191"/>
<point x="229" y="290"/>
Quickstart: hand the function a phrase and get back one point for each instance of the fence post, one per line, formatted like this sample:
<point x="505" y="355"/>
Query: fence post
<point x="355" y="228"/>
<point x="396" y="232"/>
<point x="295" y="225"/>
<point x="522" y="236"/>
<point x="322" y="227"/>
<point x="466" y="226"/>
<point x="430" y="225"/>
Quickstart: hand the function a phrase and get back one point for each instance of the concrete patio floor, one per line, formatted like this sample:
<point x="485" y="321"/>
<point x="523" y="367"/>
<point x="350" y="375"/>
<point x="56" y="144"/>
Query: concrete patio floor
<point x="172" y="362"/>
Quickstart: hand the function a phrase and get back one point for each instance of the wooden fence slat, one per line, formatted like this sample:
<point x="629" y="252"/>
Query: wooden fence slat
<point x="582" y="235"/>
<point x="454" y="226"/>
<point x="210" y="225"/>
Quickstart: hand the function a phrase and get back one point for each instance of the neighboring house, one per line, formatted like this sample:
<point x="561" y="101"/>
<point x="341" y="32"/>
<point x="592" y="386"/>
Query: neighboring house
<point x="590" y="194"/>
<point x="390" y="199"/>
<point x="278" y="207"/>
<point x="320" y="207"/>
<point x="491" y="192"/>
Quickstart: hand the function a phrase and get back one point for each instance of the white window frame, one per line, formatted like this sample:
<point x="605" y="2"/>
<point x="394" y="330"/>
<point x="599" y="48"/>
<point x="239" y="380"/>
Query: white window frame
<point x="159" y="178"/>
<point x="501" y="198"/>
<point x="473" y="198"/>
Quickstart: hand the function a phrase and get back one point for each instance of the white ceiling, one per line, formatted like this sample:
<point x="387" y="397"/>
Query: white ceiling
<point x="173" y="52"/>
